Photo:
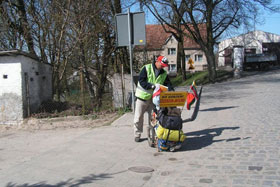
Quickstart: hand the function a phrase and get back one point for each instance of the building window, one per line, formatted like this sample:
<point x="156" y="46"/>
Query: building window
<point x="250" y="50"/>
<point x="171" y="51"/>
<point x="187" y="57"/>
<point x="198" y="58"/>
<point x="172" y="67"/>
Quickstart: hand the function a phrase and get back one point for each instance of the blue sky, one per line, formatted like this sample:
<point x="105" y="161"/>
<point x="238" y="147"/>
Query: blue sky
<point x="270" y="22"/>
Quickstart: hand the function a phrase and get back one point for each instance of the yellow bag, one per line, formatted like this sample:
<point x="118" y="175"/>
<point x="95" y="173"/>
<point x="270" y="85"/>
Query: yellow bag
<point x="162" y="133"/>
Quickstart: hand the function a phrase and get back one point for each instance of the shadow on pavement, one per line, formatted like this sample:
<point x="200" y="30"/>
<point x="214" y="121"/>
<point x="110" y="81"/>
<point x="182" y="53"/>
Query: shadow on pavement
<point x="217" y="108"/>
<point x="70" y="182"/>
<point x="200" y="139"/>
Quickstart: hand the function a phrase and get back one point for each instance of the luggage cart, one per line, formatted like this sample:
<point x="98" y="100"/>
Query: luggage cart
<point x="152" y="139"/>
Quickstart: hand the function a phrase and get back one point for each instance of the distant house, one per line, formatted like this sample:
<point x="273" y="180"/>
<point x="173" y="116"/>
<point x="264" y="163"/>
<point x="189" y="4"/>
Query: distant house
<point x="255" y="42"/>
<point x="24" y="84"/>
<point x="158" y="42"/>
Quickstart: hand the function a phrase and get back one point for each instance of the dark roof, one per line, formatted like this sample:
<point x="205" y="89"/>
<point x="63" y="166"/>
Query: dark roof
<point x="18" y="52"/>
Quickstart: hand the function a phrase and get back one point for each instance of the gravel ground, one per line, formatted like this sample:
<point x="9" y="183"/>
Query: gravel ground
<point x="89" y="121"/>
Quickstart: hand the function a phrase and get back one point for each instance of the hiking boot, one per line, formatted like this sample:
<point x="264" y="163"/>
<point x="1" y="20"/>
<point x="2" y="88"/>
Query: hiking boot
<point x="137" y="139"/>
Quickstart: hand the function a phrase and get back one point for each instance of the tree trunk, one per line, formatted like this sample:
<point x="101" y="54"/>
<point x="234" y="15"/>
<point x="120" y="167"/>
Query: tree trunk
<point x="179" y="67"/>
<point x="182" y="54"/>
<point x="89" y="84"/>
<point x="57" y="88"/>
<point x="25" y="27"/>
<point x="210" y="56"/>
<point x="181" y="58"/>
<point x="82" y="90"/>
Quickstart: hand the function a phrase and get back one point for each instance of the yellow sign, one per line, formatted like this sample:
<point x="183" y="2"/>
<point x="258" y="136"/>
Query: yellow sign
<point x="172" y="99"/>
<point x="190" y="62"/>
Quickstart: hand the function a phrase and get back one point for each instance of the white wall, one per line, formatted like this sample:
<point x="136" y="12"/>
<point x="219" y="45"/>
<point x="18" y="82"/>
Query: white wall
<point x="172" y="43"/>
<point x="39" y="80"/>
<point x="10" y="91"/>
<point x="13" y="97"/>
<point x="13" y="83"/>
<point x="197" y="65"/>
<point x="118" y="90"/>
<point x="249" y="40"/>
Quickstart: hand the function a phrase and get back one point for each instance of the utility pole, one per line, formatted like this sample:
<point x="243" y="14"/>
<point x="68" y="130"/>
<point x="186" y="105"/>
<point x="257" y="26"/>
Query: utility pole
<point x="130" y="58"/>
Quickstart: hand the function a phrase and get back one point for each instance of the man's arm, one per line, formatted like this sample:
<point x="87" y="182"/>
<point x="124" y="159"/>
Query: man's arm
<point x="167" y="83"/>
<point x="143" y="79"/>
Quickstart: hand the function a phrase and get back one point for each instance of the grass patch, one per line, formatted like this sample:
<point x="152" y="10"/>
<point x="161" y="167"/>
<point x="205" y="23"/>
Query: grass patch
<point x="122" y="111"/>
<point x="201" y="78"/>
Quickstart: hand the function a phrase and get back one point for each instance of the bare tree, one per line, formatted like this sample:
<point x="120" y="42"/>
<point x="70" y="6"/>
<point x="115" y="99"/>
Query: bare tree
<point x="92" y="29"/>
<point x="70" y="35"/>
<point x="40" y="26"/>
<point x="15" y="16"/>
<point x="207" y="20"/>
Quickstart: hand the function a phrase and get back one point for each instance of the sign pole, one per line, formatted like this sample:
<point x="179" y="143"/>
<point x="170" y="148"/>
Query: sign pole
<point x="130" y="59"/>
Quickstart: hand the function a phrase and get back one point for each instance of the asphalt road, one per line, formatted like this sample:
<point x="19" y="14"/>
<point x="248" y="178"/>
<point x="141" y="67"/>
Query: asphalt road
<point x="233" y="142"/>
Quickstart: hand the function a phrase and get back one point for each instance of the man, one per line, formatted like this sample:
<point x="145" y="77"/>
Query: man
<point x="150" y="75"/>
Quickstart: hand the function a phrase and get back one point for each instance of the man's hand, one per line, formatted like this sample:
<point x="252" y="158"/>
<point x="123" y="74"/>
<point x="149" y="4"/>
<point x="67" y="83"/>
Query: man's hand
<point x="157" y="86"/>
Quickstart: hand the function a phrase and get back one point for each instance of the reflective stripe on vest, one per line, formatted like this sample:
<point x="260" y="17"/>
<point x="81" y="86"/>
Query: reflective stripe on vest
<point x="147" y="94"/>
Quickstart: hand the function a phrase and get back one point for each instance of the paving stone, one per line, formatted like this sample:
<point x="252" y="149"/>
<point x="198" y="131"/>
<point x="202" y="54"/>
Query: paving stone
<point x="205" y="180"/>
<point x="253" y="182"/>
<point x="256" y="176"/>
<point x="255" y="168"/>
<point x="238" y="181"/>
<point x="273" y="177"/>
<point x="269" y="173"/>
<point x="212" y="167"/>
<point x="268" y="183"/>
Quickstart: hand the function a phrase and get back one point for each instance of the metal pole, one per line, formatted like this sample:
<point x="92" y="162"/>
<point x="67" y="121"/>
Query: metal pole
<point x="130" y="58"/>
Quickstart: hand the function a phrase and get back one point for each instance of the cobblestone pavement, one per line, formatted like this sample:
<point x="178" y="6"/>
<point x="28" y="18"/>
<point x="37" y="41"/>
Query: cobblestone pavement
<point x="238" y="134"/>
<point x="233" y="142"/>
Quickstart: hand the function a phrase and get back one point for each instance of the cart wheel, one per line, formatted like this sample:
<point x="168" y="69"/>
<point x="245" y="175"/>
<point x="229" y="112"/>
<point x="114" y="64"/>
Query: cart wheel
<point x="151" y="136"/>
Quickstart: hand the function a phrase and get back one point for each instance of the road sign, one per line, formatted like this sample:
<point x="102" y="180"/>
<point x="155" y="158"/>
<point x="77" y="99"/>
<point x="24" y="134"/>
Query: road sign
<point x="172" y="99"/>
<point x="131" y="31"/>
<point x="137" y="28"/>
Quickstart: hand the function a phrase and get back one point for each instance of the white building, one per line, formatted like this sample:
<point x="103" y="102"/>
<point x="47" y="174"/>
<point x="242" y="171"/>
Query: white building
<point x="24" y="84"/>
<point x="252" y="42"/>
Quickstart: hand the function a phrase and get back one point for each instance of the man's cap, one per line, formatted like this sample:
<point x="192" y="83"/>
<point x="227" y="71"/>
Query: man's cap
<point x="163" y="61"/>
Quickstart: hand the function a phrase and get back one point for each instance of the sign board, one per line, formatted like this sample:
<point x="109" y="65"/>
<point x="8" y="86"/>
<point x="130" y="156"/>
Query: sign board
<point x="137" y="25"/>
<point x="172" y="99"/>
